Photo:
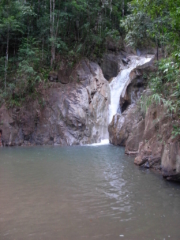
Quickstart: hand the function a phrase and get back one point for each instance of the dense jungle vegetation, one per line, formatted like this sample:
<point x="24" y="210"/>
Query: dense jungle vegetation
<point x="35" y="35"/>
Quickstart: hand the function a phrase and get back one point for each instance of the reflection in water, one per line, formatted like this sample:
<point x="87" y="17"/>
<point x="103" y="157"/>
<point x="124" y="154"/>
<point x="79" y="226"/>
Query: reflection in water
<point x="83" y="193"/>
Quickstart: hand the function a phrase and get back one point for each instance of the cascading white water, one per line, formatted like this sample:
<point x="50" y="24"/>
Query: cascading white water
<point x="118" y="83"/>
<point x="117" y="86"/>
<point x="103" y="142"/>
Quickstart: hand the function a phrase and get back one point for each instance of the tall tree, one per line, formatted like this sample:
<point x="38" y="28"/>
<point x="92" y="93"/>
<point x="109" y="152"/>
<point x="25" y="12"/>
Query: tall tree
<point x="52" y="31"/>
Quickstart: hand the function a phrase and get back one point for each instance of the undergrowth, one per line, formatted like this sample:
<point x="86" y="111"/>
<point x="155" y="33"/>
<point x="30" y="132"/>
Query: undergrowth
<point x="164" y="89"/>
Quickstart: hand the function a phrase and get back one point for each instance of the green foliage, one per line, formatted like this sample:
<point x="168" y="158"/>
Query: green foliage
<point x="147" y="101"/>
<point x="164" y="85"/>
<point x="153" y="21"/>
<point x="160" y="27"/>
<point x="136" y="27"/>
<point x="31" y="32"/>
<point x="176" y="131"/>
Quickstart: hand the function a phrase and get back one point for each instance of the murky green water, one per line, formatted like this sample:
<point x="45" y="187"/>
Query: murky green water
<point x="75" y="193"/>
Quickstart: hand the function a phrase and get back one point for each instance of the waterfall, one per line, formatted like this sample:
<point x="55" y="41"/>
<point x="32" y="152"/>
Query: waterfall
<point x="118" y="83"/>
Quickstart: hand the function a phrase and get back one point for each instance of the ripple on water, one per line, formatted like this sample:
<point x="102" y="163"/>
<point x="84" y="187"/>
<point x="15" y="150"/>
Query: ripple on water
<point x="83" y="193"/>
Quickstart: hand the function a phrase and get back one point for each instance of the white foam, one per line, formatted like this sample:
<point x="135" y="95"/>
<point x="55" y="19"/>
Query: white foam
<point x="118" y="83"/>
<point x="103" y="142"/>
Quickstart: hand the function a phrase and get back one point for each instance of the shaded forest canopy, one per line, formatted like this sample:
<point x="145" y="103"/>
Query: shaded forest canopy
<point x="35" y="35"/>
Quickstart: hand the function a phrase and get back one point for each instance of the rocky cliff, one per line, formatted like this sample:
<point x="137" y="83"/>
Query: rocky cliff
<point x="148" y="137"/>
<point x="73" y="113"/>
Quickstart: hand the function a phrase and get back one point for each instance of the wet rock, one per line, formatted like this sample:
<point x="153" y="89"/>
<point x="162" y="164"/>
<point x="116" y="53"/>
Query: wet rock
<point x="135" y="135"/>
<point x="121" y="127"/>
<point x="126" y="60"/>
<point x="171" y="161"/>
<point x="136" y="85"/>
<point x="110" y="65"/>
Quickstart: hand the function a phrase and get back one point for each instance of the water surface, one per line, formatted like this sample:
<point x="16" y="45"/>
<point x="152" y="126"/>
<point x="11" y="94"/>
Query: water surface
<point x="74" y="193"/>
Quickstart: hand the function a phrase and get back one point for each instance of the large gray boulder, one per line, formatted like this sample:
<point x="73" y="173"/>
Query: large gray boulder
<point x="122" y="126"/>
<point x="67" y="114"/>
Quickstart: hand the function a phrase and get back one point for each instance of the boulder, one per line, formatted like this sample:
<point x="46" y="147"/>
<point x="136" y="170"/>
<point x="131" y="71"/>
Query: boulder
<point x="171" y="161"/>
<point x="122" y="125"/>
<point x="112" y="63"/>
<point x="126" y="60"/>
<point x="71" y="114"/>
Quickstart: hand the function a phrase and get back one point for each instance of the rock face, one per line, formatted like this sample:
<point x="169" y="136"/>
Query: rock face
<point x="110" y="66"/>
<point x="137" y="84"/>
<point x="66" y="114"/>
<point x="113" y="63"/>
<point x="149" y="138"/>
<point x="122" y="125"/>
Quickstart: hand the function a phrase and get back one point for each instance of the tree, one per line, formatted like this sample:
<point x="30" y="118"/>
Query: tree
<point x="59" y="29"/>
<point x="52" y="30"/>
<point x="153" y="20"/>
<point x="9" y="25"/>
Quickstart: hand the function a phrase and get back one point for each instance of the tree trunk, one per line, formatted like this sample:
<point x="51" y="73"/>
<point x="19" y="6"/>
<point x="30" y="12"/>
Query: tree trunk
<point x="157" y="49"/>
<point x="42" y="49"/>
<point x="6" y="60"/>
<point x="122" y="8"/>
<point x="52" y="12"/>
<point x="38" y="7"/>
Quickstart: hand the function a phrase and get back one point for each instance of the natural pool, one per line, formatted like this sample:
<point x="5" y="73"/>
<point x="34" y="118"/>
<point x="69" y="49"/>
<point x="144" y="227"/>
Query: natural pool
<point x="87" y="192"/>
